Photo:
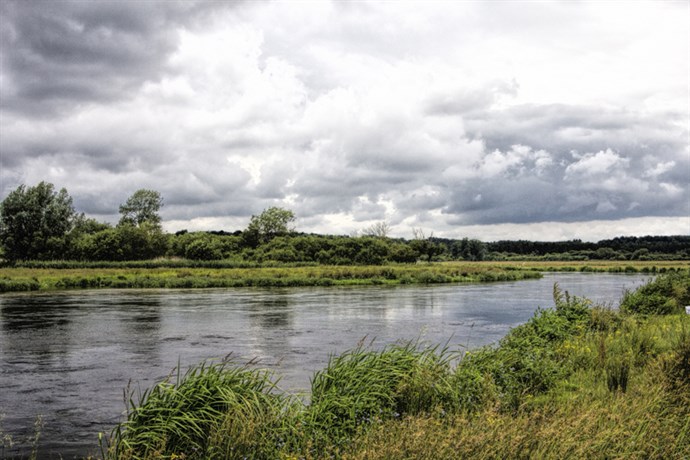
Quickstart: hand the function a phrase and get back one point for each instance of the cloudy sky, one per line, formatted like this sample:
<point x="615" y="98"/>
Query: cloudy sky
<point x="493" y="120"/>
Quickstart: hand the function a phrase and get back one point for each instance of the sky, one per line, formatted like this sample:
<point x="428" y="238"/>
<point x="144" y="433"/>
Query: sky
<point x="492" y="120"/>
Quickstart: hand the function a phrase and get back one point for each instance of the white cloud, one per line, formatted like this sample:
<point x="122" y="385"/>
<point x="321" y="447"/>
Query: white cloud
<point x="433" y="114"/>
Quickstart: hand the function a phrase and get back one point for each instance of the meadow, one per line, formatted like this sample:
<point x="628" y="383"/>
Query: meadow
<point x="575" y="381"/>
<point x="183" y="274"/>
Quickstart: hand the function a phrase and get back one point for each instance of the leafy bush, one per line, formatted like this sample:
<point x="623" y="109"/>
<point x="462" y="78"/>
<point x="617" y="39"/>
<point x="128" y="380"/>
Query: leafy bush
<point x="662" y="296"/>
<point x="18" y="285"/>
<point x="203" y="249"/>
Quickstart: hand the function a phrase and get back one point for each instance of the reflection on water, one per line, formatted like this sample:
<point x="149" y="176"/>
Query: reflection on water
<point x="68" y="356"/>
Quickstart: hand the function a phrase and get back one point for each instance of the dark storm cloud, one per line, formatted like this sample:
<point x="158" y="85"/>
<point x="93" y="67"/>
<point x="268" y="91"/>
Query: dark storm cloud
<point x="563" y="128"/>
<point x="58" y="53"/>
<point x="596" y="164"/>
<point x="430" y="115"/>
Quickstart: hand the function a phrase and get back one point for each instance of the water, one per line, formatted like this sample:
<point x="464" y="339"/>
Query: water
<point x="68" y="356"/>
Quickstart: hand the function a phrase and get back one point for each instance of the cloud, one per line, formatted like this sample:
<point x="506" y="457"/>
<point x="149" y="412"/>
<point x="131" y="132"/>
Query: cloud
<point x="442" y="116"/>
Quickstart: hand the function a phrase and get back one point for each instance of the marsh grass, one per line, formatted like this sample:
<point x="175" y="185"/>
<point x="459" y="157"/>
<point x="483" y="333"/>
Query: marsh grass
<point x="575" y="381"/>
<point x="24" y="278"/>
<point x="213" y="411"/>
<point x="28" y="447"/>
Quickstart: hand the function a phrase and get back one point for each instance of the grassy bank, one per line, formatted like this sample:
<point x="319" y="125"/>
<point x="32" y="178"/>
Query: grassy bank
<point x="44" y="279"/>
<point x="595" y="266"/>
<point x="47" y="276"/>
<point x="575" y="381"/>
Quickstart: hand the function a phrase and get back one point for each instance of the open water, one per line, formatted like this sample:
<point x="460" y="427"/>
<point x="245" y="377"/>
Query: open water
<point x="68" y="356"/>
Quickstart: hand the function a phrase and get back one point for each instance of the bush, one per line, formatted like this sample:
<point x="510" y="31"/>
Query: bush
<point x="663" y="296"/>
<point x="18" y="285"/>
<point x="203" y="249"/>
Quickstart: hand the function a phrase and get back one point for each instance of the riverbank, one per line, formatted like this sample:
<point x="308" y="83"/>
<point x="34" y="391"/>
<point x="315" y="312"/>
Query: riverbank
<point x="46" y="279"/>
<point x="155" y="274"/>
<point x="575" y="381"/>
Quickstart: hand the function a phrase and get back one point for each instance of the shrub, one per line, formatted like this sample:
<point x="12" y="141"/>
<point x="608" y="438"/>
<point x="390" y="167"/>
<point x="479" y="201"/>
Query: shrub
<point x="18" y="285"/>
<point x="662" y="296"/>
<point x="203" y="249"/>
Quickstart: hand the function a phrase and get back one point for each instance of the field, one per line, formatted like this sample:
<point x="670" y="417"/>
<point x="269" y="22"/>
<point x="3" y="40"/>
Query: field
<point x="155" y="274"/>
<point x="575" y="381"/>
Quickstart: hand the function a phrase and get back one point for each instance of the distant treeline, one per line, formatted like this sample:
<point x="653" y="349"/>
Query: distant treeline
<point x="40" y="223"/>
<point x="675" y="247"/>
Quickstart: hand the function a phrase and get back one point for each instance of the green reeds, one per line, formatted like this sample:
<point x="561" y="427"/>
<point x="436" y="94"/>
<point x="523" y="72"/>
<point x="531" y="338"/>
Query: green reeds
<point x="213" y="411"/>
<point x="364" y="386"/>
<point x="572" y="382"/>
<point x="21" y="279"/>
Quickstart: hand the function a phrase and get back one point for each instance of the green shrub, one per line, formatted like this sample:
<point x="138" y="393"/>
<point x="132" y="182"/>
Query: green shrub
<point x="18" y="285"/>
<point x="662" y="296"/>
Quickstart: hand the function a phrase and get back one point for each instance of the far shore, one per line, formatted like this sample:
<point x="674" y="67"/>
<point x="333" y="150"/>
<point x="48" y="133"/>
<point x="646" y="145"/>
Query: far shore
<point x="178" y="273"/>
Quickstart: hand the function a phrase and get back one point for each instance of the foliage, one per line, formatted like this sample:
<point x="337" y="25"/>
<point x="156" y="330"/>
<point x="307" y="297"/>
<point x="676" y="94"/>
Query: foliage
<point x="425" y="246"/>
<point x="663" y="296"/>
<point x="469" y="249"/>
<point x="34" y="222"/>
<point x="272" y="222"/>
<point x="142" y="208"/>
<point x="223" y="273"/>
<point x="213" y="411"/>
<point x="568" y="383"/>
<point x="124" y="242"/>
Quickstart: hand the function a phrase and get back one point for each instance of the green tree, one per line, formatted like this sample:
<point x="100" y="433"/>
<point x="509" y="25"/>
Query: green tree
<point x="469" y="249"/>
<point x="142" y="207"/>
<point x="425" y="246"/>
<point x="272" y="222"/>
<point x="34" y="222"/>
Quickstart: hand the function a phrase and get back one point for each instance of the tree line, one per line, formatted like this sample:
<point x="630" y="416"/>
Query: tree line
<point x="40" y="223"/>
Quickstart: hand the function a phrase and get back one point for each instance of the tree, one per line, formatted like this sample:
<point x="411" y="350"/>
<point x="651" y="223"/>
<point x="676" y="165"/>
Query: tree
<point x="34" y="222"/>
<point x="272" y="222"/>
<point x="142" y="207"/>
<point x="469" y="249"/>
<point x="425" y="246"/>
<point x="379" y="230"/>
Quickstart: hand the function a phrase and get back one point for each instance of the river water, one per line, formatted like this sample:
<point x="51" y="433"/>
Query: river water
<point x="68" y="356"/>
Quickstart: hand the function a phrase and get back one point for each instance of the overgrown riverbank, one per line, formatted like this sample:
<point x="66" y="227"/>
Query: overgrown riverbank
<point x="575" y="381"/>
<point x="44" y="279"/>
<point x="60" y="275"/>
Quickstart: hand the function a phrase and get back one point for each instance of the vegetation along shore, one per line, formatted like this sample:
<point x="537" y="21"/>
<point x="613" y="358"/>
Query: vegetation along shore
<point x="575" y="381"/>
<point x="46" y="245"/>
<point x="49" y="276"/>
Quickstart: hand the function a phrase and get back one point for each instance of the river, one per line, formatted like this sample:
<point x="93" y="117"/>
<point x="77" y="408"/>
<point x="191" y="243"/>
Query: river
<point x="67" y="356"/>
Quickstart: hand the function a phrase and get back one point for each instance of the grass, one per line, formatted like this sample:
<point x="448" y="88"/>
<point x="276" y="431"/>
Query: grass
<point x="45" y="279"/>
<point x="575" y="381"/>
<point x="156" y="274"/>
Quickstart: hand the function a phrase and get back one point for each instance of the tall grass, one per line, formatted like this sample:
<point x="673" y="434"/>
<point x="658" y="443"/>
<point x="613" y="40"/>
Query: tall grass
<point x="213" y="411"/>
<point x="575" y="381"/>
<point x="20" y="279"/>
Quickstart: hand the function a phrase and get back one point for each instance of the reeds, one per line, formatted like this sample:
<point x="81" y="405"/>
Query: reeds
<point x="22" y="278"/>
<point x="572" y="382"/>
<point x="213" y="411"/>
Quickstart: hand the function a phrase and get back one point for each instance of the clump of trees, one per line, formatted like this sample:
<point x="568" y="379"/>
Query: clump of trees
<point x="35" y="221"/>
<point x="40" y="223"/>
